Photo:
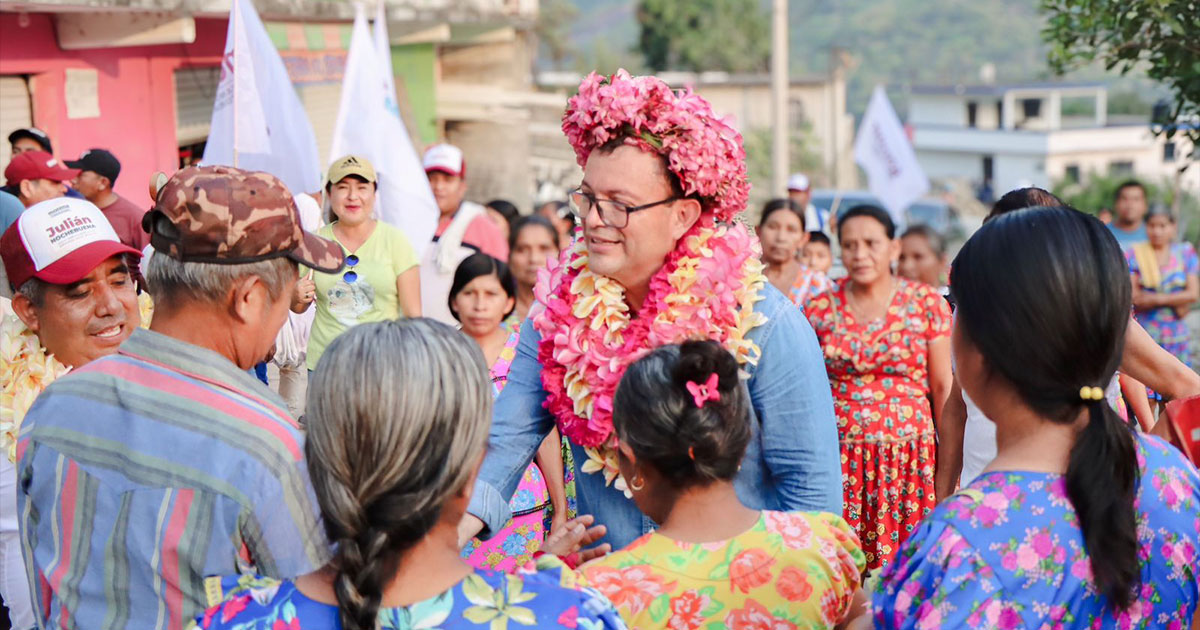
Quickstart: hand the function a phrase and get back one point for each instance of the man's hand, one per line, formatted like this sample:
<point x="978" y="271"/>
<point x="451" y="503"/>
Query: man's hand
<point x="304" y="294"/>
<point x="468" y="528"/>
<point x="574" y="535"/>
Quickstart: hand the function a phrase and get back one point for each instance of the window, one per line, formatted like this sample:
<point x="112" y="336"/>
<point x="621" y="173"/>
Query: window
<point x="1169" y="152"/>
<point x="972" y="110"/>
<point x="1031" y="107"/>
<point x="989" y="168"/>
<point x="1120" y="167"/>
<point x="1072" y="173"/>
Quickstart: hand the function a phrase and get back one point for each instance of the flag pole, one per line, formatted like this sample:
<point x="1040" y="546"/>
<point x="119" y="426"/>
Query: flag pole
<point x="233" y="15"/>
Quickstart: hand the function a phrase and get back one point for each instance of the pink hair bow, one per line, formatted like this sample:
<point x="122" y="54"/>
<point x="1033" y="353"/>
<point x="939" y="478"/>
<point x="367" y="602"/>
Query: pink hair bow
<point x="706" y="392"/>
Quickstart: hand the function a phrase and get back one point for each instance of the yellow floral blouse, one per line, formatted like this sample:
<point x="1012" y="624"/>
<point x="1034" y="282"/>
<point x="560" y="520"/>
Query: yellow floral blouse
<point x="794" y="570"/>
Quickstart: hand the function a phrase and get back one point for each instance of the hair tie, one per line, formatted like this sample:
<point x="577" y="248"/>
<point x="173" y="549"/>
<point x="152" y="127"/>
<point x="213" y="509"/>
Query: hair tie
<point x="1091" y="393"/>
<point x="706" y="392"/>
<point x="692" y="453"/>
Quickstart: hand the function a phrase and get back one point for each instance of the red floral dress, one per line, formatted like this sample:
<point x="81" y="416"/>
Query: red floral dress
<point x="880" y="379"/>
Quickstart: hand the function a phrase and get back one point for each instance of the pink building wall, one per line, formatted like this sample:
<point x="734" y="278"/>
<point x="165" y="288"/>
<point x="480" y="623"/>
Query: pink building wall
<point x="136" y="93"/>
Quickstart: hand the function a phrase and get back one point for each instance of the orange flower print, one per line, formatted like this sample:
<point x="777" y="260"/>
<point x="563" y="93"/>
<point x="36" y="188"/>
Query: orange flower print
<point x="755" y="617"/>
<point x="750" y="569"/>
<point x="632" y="588"/>
<point x="793" y="585"/>
<point x="687" y="610"/>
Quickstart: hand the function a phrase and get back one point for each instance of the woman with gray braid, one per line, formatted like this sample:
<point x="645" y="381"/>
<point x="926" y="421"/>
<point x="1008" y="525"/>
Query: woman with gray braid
<point x="398" y="418"/>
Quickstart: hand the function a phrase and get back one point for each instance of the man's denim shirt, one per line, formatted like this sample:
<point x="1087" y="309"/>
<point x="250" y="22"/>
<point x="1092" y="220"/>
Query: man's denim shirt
<point x="792" y="462"/>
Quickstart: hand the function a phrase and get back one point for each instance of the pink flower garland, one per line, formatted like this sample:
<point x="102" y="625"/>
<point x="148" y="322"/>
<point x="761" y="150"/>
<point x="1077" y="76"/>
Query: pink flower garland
<point x="706" y="289"/>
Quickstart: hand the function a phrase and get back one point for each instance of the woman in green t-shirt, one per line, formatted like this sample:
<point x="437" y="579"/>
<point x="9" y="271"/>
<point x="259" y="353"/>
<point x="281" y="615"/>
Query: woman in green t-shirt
<point x="380" y="280"/>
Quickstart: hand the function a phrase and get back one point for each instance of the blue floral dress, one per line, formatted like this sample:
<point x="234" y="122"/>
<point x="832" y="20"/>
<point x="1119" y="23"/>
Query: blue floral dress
<point x="1164" y="324"/>
<point x="1007" y="552"/>
<point x="548" y="598"/>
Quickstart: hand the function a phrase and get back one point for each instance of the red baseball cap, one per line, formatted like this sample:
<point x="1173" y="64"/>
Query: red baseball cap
<point x="37" y="165"/>
<point x="59" y="241"/>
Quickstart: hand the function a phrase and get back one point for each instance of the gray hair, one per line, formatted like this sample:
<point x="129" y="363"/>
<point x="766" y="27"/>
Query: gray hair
<point x="34" y="290"/>
<point x="398" y="413"/>
<point x="168" y="278"/>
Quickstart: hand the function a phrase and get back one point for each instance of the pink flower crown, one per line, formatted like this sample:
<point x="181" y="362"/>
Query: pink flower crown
<point x="702" y="150"/>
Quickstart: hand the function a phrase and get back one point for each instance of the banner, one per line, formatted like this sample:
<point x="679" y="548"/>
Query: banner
<point x="883" y="150"/>
<point x="254" y="82"/>
<point x="368" y="124"/>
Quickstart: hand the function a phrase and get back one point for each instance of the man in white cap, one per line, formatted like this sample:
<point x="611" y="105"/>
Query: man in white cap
<point x="464" y="228"/>
<point x="800" y="191"/>
<point x="75" y="302"/>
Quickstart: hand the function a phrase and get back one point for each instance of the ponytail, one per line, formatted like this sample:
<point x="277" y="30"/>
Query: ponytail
<point x="1102" y="480"/>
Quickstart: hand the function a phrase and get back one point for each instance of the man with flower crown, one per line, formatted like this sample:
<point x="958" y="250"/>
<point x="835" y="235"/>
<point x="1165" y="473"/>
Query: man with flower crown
<point x="660" y="260"/>
<point x="74" y="301"/>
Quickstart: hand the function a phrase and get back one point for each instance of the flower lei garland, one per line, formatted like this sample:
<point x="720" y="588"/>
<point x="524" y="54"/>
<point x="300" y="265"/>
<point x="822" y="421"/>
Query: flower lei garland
<point x="26" y="371"/>
<point x="706" y="289"/>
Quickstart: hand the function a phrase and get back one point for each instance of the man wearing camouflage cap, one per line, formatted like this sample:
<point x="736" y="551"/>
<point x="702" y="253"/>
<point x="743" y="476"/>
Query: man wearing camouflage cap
<point x="144" y="472"/>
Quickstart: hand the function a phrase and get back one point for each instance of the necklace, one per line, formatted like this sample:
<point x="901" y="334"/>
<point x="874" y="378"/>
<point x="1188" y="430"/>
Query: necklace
<point x="26" y="372"/>
<point x="706" y="290"/>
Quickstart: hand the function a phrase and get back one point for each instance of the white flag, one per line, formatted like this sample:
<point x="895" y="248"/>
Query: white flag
<point x="883" y="150"/>
<point x="258" y="122"/>
<point x="369" y="124"/>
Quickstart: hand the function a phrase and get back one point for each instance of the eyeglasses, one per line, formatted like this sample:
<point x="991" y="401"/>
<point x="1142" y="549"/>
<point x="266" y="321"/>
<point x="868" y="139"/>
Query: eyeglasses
<point x="614" y="214"/>
<point x="350" y="276"/>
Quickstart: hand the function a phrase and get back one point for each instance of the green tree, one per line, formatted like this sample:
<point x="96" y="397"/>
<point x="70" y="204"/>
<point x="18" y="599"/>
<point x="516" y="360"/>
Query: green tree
<point x="1161" y="37"/>
<point x="704" y="35"/>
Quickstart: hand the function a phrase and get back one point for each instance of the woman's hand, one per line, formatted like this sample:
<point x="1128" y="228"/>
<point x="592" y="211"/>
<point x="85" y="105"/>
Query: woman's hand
<point x="304" y="294"/>
<point x="576" y="534"/>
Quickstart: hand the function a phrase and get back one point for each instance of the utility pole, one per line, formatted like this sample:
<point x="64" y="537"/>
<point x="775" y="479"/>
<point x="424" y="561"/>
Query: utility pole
<point x="779" y="97"/>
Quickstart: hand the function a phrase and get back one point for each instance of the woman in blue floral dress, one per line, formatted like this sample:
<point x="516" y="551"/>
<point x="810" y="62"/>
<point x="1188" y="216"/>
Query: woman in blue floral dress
<point x="1165" y="284"/>
<point x="398" y="416"/>
<point x="1078" y="522"/>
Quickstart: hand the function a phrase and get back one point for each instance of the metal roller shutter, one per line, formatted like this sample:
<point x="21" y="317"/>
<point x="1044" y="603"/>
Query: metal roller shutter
<point x="195" y="89"/>
<point x="15" y="112"/>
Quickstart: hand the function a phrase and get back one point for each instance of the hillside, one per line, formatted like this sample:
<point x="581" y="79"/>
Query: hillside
<point x="895" y="42"/>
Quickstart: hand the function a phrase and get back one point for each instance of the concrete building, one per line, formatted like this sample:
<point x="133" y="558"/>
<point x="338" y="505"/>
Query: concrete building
<point x="817" y="105"/>
<point x="125" y="75"/>
<point x="1036" y="134"/>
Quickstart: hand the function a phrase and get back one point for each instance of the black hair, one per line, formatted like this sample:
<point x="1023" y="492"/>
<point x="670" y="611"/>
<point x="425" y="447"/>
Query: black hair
<point x="360" y="178"/>
<point x="1160" y="210"/>
<point x="656" y="415"/>
<point x="936" y="241"/>
<point x="1022" y="198"/>
<point x="1051" y="348"/>
<point x="672" y="178"/>
<point x="533" y="220"/>
<point x="506" y="209"/>
<point x="869" y="211"/>
<point x="821" y="238"/>
<point x="781" y="203"/>
<point x="478" y="265"/>
<point x="1129" y="183"/>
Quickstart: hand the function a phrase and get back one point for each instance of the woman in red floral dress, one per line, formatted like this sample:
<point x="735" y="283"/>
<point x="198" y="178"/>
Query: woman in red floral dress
<point x="887" y="350"/>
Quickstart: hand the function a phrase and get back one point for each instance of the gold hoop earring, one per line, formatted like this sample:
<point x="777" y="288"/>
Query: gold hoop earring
<point x="637" y="484"/>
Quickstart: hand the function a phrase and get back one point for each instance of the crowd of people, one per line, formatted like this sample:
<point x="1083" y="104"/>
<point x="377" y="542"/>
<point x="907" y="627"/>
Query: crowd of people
<point x="624" y="409"/>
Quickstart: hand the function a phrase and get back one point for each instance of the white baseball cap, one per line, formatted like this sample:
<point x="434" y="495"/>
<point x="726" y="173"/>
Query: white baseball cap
<point x="445" y="158"/>
<point x="59" y="241"/>
<point x="798" y="181"/>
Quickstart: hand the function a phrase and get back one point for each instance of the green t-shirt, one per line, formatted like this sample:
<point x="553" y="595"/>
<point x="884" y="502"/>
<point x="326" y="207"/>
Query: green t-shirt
<point x="369" y="298"/>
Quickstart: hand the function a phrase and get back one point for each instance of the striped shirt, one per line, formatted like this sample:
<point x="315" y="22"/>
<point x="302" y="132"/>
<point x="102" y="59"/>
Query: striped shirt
<point x="143" y="472"/>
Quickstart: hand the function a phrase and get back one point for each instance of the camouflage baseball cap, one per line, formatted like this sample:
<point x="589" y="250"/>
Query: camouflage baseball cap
<point x="225" y="215"/>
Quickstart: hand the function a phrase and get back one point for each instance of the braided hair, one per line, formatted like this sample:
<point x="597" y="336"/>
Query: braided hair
<point x="398" y="412"/>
